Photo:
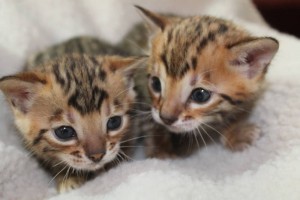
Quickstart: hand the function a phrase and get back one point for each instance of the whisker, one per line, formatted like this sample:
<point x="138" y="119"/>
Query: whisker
<point x="57" y="174"/>
<point x="202" y="138"/>
<point x="135" y="138"/>
<point x="120" y="158"/>
<point x="141" y="114"/>
<point x="141" y="111"/>
<point x="66" y="175"/>
<point x="207" y="134"/>
<point x="128" y="157"/>
<point x="195" y="136"/>
<point x="142" y="103"/>
<point x="133" y="103"/>
<point x="190" y="141"/>
<point x="241" y="109"/>
<point x="218" y="133"/>
<point x="127" y="89"/>
<point x="132" y="146"/>
<point x="57" y="164"/>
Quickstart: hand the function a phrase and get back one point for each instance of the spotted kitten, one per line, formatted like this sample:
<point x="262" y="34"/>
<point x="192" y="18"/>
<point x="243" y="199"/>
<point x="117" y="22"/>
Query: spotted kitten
<point x="74" y="113"/>
<point x="205" y="74"/>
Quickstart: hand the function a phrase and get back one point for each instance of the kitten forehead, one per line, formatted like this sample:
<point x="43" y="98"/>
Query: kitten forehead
<point x="184" y="41"/>
<point x="84" y="79"/>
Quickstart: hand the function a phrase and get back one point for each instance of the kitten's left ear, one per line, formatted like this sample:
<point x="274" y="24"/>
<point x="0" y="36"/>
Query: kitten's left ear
<point x="251" y="58"/>
<point x="154" y="20"/>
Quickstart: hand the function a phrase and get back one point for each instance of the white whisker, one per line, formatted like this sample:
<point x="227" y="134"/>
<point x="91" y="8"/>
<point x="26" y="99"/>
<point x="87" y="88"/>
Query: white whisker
<point x="195" y="136"/>
<point x="218" y="133"/>
<point x="202" y="137"/>
<point x="207" y="134"/>
<point x="57" y="174"/>
<point x="128" y="157"/>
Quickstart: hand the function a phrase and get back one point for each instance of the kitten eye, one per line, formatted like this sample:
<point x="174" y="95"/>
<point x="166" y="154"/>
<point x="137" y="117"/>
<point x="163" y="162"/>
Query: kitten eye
<point x="155" y="84"/>
<point x="114" y="123"/>
<point x="65" y="132"/>
<point x="200" y="95"/>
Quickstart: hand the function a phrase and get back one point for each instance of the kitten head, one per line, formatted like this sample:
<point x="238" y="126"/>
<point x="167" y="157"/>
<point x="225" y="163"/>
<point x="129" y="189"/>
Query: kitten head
<point x="74" y="111"/>
<point x="202" y="68"/>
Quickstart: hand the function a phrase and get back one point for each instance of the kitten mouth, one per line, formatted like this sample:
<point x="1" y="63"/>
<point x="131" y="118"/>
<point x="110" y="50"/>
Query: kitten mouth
<point x="87" y="166"/>
<point x="94" y="166"/>
<point x="177" y="127"/>
<point x="182" y="128"/>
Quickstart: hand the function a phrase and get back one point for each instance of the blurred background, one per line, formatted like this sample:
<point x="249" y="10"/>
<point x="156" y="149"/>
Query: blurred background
<point x="283" y="15"/>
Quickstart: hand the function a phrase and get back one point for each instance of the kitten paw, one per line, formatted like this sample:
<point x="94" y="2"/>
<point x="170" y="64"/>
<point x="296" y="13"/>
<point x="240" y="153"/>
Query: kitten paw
<point x="69" y="184"/>
<point x="242" y="137"/>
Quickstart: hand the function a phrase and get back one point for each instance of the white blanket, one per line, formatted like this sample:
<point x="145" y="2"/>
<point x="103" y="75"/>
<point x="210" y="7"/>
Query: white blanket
<point x="270" y="169"/>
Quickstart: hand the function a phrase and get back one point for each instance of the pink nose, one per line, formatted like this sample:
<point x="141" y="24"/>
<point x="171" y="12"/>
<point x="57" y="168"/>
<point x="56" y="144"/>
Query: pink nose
<point x="168" y="119"/>
<point x="96" y="157"/>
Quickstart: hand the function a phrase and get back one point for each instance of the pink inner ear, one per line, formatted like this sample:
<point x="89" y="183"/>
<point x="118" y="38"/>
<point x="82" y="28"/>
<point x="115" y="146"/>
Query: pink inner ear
<point x="23" y="95"/>
<point x="20" y="98"/>
<point x="255" y="61"/>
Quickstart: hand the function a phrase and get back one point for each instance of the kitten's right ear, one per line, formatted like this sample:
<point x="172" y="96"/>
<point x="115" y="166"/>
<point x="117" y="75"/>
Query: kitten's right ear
<point x="153" y="20"/>
<point x="21" y="89"/>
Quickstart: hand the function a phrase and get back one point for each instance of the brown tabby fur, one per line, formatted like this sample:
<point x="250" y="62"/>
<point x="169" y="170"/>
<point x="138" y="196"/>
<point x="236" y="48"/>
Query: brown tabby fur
<point x="80" y="91"/>
<point x="209" y="53"/>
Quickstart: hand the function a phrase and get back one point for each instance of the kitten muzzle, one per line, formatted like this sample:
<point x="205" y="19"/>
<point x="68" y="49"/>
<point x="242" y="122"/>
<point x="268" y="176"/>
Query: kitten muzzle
<point x="96" y="157"/>
<point x="168" y="119"/>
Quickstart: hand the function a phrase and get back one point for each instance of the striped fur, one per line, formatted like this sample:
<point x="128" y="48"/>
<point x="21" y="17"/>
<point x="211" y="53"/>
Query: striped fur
<point x="82" y="91"/>
<point x="212" y="55"/>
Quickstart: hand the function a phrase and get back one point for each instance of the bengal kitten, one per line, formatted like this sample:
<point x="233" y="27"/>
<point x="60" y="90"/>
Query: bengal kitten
<point x="205" y="74"/>
<point x="74" y="113"/>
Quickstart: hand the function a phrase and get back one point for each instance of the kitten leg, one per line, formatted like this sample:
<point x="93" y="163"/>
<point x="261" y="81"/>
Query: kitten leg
<point x="67" y="184"/>
<point x="240" y="137"/>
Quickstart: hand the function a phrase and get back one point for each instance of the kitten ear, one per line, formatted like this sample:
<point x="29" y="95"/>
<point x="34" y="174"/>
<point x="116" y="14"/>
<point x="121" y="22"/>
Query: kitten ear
<point x="251" y="58"/>
<point x="128" y="65"/>
<point x="21" y="89"/>
<point x="153" y="20"/>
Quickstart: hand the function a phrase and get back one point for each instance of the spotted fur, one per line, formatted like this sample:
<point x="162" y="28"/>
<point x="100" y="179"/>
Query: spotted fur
<point x="217" y="57"/>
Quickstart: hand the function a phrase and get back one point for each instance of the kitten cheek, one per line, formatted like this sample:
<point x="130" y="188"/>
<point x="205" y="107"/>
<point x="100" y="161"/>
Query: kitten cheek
<point x="155" y="115"/>
<point x="111" y="154"/>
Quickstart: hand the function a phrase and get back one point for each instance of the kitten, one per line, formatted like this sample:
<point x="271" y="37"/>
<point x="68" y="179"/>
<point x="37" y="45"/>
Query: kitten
<point x="77" y="45"/>
<point x="205" y="74"/>
<point x="74" y="113"/>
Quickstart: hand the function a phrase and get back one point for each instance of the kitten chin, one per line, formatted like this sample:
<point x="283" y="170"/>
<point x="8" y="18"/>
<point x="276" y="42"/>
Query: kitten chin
<point x="186" y="125"/>
<point x="177" y="127"/>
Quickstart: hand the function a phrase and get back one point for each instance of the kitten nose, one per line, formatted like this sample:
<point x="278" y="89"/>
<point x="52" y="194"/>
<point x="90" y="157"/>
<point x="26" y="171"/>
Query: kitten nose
<point x="96" y="157"/>
<point x="168" y="119"/>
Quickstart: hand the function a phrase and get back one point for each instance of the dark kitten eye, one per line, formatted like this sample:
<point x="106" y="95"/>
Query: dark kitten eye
<point x="65" y="132"/>
<point x="155" y="84"/>
<point x="200" y="95"/>
<point x="114" y="123"/>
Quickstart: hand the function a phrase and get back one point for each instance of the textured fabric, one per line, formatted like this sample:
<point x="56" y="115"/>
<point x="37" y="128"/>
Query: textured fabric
<point x="267" y="170"/>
